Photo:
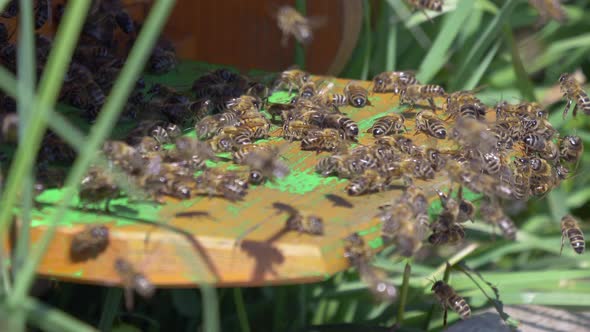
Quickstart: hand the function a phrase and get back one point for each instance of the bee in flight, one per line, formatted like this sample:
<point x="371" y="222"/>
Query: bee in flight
<point x="293" y="23"/>
<point x="435" y="5"/>
<point x="571" y="230"/>
<point x="574" y="94"/>
<point x="449" y="299"/>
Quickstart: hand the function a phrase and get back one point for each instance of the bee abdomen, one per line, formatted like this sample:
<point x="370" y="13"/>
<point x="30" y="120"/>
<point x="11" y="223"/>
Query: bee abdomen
<point x="460" y="306"/>
<point x="576" y="238"/>
<point x="508" y="228"/>
<point x="584" y="102"/>
<point x="339" y="100"/>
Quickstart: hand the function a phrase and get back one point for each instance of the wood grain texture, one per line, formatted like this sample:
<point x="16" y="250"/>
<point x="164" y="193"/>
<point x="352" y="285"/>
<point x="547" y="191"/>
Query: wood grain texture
<point x="218" y="249"/>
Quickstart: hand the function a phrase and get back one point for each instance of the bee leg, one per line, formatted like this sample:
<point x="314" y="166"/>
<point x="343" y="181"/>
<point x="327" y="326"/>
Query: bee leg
<point x="575" y="111"/>
<point x="107" y="204"/>
<point x="445" y="317"/>
<point x="432" y="104"/>
<point x="567" y="108"/>
<point x="128" y="294"/>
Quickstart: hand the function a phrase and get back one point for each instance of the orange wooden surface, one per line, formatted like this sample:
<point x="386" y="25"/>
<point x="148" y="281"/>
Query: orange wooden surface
<point x="267" y="255"/>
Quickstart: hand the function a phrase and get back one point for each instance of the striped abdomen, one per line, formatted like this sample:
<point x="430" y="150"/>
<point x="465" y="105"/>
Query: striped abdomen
<point x="583" y="101"/>
<point x="570" y="229"/>
<point x="338" y="99"/>
<point x="508" y="228"/>
<point x="357" y="96"/>
<point x="460" y="306"/>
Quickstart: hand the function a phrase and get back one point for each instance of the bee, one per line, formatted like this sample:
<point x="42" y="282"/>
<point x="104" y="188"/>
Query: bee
<point x="244" y="104"/>
<point x="430" y="124"/>
<point x="292" y="23"/>
<point x="571" y="230"/>
<point x="401" y="143"/>
<point x="492" y="162"/>
<point x="123" y="155"/>
<point x="393" y="81"/>
<point x="367" y="182"/>
<point x="550" y="152"/>
<point x="435" y="5"/>
<point x="399" y="225"/>
<point x="445" y="230"/>
<point x="416" y="92"/>
<point x="356" y="95"/>
<point x="341" y="122"/>
<point x="133" y="280"/>
<point x="226" y="184"/>
<point x="192" y="150"/>
<point x="549" y="9"/>
<point x="258" y="125"/>
<point x="89" y="243"/>
<point x="303" y="223"/>
<point x="573" y="93"/>
<point x="492" y="213"/>
<point x="448" y="298"/>
<point x="571" y="148"/>
<point x="11" y="9"/>
<point x="292" y="79"/>
<point x="161" y="60"/>
<point x="277" y="110"/>
<point x="42" y="10"/>
<point x="435" y="158"/>
<point x="296" y="130"/>
<point x="267" y="161"/>
<point x="9" y="127"/>
<point x="327" y="139"/>
<point x="308" y="90"/>
<point x="388" y="124"/>
<point x="324" y="97"/>
<point x="460" y="209"/>
<point x="98" y="186"/>
<point x="359" y="256"/>
<point x="465" y="105"/>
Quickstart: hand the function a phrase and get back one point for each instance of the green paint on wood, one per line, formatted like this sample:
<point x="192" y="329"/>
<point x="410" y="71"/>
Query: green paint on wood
<point x="376" y="243"/>
<point x="78" y="274"/>
<point x="301" y="182"/>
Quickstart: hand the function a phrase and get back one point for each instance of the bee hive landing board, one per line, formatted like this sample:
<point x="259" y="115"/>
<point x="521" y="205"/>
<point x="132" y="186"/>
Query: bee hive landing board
<point x="219" y="252"/>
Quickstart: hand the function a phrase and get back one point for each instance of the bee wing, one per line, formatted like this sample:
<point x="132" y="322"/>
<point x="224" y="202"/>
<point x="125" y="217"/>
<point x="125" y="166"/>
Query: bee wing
<point x="324" y="87"/>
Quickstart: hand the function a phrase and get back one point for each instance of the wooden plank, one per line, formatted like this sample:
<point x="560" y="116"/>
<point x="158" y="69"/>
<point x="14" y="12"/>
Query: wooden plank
<point x="218" y="250"/>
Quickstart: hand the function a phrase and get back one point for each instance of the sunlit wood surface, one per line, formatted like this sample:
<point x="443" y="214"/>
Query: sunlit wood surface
<point x="242" y="243"/>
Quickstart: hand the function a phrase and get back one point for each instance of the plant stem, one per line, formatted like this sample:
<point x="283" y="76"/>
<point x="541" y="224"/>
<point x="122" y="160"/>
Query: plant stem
<point x="404" y="292"/>
<point x="241" y="310"/>
<point x="301" y="7"/>
<point x="109" y="113"/>
<point x="50" y="319"/>
<point x="110" y="307"/>
<point x="368" y="40"/>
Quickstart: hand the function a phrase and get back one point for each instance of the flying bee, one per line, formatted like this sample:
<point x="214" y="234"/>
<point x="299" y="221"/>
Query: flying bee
<point x="445" y="230"/>
<point x="89" y="243"/>
<point x="133" y="280"/>
<point x="356" y="95"/>
<point x="448" y="298"/>
<point x="492" y="213"/>
<point x="388" y="124"/>
<point x="359" y="255"/>
<point x="460" y="209"/>
<point x="574" y="93"/>
<point x="327" y="139"/>
<point x="571" y="148"/>
<point x="435" y="5"/>
<point x="347" y="125"/>
<point x="571" y="230"/>
<point x="416" y="92"/>
<point x="393" y="81"/>
<point x="401" y="227"/>
<point x="293" y="23"/>
<point x="226" y="184"/>
<point x="267" y="161"/>
<point x="428" y="123"/>
<point x="549" y="9"/>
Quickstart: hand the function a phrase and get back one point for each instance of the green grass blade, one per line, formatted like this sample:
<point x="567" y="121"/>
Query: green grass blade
<point x="475" y="78"/>
<point x="53" y="320"/>
<point x="110" y="308"/>
<point x="241" y="310"/>
<point x="368" y="36"/>
<point x="403" y="13"/>
<point x="481" y="45"/>
<point x="391" y="42"/>
<point x="522" y="77"/>
<point x="210" y="309"/>
<point x="438" y="54"/>
<point x="49" y="87"/>
<point x="109" y="113"/>
<point x="300" y="5"/>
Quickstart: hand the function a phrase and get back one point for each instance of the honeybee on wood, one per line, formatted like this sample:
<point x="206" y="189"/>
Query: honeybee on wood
<point x="244" y="104"/>
<point x="393" y="81"/>
<point x="492" y="213"/>
<point x="428" y="123"/>
<point x="98" y="186"/>
<point x="464" y="104"/>
<point x="549" y="9"/>
<point x="474" y="135"/>
<point x="571" y="148"/>
<point x="448" y="298"/>
<point x="327" y="139"/>
<point x="356" y="95"/>
<point x="301" y="221"/>
<point x="163" y="59"/>
<point x="293" y="78"/>
<point x="402" y="143"/>
<point x="416" y="92"/>
<point x="388" y="124"/>
<point x="268" y="162"/>
<point x="571" y="230"/>
<point x="574" y="93"/>
<point x="346" y="124"/>
<point x="123" y="155"/>
<point x="89" y="243"/>
<point x="226" y="184"/>
<point x="330" y="165"/>
<point x="367" y="182"/>
<point x="192" y="151"/>
<point x="133" y="280"/>
<point x="308" y="90"/>
<point x="359" y="255"/>
<point x="435" y="5"/>
<point x="296" y="130"/>
<point x="293" y="23"/>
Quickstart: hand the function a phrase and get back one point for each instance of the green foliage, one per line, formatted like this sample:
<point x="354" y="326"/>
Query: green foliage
<point x="470" y="44"/>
